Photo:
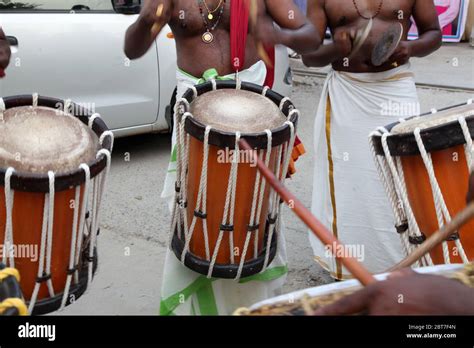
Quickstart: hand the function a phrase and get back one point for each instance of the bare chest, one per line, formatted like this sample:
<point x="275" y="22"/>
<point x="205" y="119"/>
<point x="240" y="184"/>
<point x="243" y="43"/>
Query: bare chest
<point x="348" y="12"/>
<point x="191" y="17"/>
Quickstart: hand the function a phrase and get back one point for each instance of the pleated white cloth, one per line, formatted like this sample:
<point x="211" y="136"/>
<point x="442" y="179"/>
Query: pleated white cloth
<point x="348" y="196"/>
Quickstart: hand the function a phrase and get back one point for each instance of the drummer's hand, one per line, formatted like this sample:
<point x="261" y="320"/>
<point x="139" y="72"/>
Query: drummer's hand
<point x="402" y="54"/>
<point x="342" y="40"/>
<point x="264" y="31"/>
<point x="5" y="52"/>
<point x="148" y="15"/>
<point x="407" y="293"/>
<point x="470" y="194"/>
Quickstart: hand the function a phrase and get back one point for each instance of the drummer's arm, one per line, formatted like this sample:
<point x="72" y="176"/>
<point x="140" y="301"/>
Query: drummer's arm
<point x="427" y="22"/>
<point x="295" y="31"/>
<point x="5" y="52"/>
<point x="328" y="53"/>
<point x="139" y="37"/>
<point x="407" y="293"/>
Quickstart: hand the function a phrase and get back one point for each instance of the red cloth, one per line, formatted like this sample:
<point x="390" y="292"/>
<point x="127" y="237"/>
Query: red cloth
<point x="448" y="29"/>
<point x="239" y="23"/>
<point x="270" y="79"/>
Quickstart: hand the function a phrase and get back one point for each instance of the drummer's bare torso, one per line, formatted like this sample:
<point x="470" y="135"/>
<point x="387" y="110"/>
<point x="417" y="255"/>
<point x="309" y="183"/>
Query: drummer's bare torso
<point x="195" y="56"/>
<point x="343" y="14"/>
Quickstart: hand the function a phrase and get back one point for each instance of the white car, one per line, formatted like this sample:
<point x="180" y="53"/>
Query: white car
<point x="73" y="49"/>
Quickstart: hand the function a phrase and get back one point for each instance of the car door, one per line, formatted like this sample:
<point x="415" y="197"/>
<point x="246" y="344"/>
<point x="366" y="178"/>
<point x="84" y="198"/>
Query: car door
<point x="74" y="49"/>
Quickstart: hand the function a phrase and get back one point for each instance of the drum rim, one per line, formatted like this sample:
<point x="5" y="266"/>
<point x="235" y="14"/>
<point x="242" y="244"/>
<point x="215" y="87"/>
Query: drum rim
<point x="224" y="271"/>
<point x="52" y="304"/>
<point x="436" y="138"/>
<point x="34" y="182"/>
<point x="223" y="139"/>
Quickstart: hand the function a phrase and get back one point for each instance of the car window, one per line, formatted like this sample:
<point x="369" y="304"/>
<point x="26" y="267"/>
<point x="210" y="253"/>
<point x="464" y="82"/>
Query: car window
<point x="56" y="5"/>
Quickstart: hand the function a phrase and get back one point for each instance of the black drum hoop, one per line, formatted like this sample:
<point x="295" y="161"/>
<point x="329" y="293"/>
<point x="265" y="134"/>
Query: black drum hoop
<point x="52" y="304"/>
<point x="436" y="138"/>
<point x="34" y="182"/>
<point x="226" y="271"/>
<point x="224" y="139"/>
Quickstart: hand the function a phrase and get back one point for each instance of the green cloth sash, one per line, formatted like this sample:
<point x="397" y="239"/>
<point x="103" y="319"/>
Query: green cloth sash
<point x="202" y="287"/>
<point x="208" y="75"/>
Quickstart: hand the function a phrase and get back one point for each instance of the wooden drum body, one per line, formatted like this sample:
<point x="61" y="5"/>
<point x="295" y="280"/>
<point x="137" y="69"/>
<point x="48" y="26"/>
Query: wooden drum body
<point x="226" y="218"/>
<point x="54" y="158"/>
<point x="425" y="164"/>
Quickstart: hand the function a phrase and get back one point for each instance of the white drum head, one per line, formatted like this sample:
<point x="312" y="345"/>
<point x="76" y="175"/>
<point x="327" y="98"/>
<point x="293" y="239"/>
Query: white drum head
<point x="232" y="110"/>
<point x="40" y="139"/>
<point x="433" y="120"/>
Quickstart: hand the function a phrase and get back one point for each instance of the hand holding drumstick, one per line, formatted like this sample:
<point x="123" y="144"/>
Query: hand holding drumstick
<point x="155" y="14"/>
<point x="255" y="24"/>
<point x="423" y="294"/>
<point x="156" y="28"/>
<point x="5" y="53"/>
<point x="141" y="35"/>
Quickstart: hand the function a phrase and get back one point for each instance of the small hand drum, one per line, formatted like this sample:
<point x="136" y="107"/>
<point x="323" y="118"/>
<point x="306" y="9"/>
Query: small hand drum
<point x="387" y="44"/>
<point x="424" y="163"/>
<point x="54" y="158"/>
<point x="226" y="218"/>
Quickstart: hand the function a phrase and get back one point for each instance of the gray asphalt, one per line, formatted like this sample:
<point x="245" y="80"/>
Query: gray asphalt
<point x="135" y="221"/>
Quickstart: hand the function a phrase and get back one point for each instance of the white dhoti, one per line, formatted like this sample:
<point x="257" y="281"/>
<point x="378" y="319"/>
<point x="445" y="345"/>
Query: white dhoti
<point x="348" y="196"/>
<point x="185" y="292"/>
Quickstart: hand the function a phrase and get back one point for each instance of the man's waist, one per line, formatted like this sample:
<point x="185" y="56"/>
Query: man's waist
<point x="213" y="73"/>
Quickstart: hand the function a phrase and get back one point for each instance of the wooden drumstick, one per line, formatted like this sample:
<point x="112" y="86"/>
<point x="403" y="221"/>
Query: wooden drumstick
<point x="437" y="238"/>
<point x="253" y="11"/>
<point x="325" y="236"/>
<point x="155" y="29"/>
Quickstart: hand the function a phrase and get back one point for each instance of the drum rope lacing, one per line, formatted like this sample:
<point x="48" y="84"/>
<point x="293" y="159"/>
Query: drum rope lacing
<point x="399" y="191"/>
<point x="46" y="246"/>
<point x="396" y="188"/>
<point x="387" y="182"/>
<point x="175" y="211"/>
<point x="9" y="197"/>
<point x="179" y="215"/>
<point x="201" y="203"/>
<point x="2" y="109"/>
<point x="256" y="210"/>
<point x="227" y="222"/>
<point x="442" y="212"/>
<point x="75" y="238"/>
<point x="183" y="156"/>
<point x="417" y="235"/>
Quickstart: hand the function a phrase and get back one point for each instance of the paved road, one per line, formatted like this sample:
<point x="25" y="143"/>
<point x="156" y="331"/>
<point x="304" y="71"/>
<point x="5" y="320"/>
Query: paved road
<point x="135" y="222"/>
